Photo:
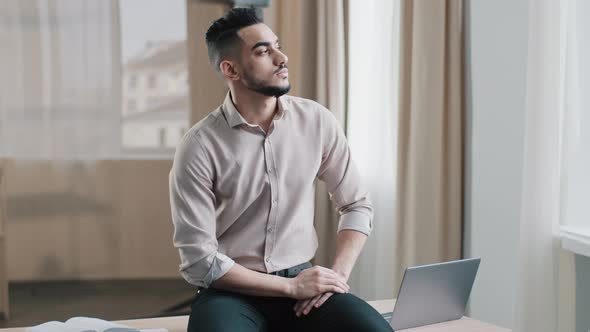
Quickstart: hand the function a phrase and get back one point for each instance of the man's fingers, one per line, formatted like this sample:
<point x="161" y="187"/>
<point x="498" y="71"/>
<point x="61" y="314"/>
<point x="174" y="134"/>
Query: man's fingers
<point x="339" y="283"/>
<point x="323" y="299"/>
<point x="299" y="304"/>
<point x="334" y="289"/>
<point x="344" y="285"/>
<point x="336" y="282"/>
<point x="309" y="305"/>
<point x="315" y="302"/>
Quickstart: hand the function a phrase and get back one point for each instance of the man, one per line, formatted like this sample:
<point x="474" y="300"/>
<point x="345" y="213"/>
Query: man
<point x="242" y="196"/>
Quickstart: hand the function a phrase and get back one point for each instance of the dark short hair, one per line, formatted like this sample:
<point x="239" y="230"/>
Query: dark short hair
<point x="222" y="36"/>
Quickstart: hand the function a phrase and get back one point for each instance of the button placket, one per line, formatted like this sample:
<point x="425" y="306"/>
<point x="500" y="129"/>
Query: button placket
<point x="273" y="214"/>
<point x="269" y="245"/>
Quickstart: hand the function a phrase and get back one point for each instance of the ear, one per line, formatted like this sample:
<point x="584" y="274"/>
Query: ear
<point x="230" y="70"/>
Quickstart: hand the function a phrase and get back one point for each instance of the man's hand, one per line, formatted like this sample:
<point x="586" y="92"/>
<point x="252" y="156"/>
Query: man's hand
<point x="303" y="307"/>
<point x="316" y="281"/>
<point x="348" y="246"/>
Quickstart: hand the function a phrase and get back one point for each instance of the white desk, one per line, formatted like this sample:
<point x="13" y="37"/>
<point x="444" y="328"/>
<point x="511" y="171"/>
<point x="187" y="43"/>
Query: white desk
<point x="179" y="323"/>
<point x="464" y="324"/>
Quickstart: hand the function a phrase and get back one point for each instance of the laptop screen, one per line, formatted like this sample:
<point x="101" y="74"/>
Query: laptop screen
<point x="434" y="293"/>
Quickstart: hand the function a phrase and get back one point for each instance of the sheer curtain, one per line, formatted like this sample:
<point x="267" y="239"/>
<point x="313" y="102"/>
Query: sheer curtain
<point x="60" y="84"/>
<point x="575" y="178"/>
<point x="536" y="302"/>
<point x="576" y="140"/>
<point x="543" y="299"/>
<point x="373" y="57"/>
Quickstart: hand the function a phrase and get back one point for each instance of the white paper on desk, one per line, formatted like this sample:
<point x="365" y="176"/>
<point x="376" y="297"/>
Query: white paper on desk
<point x="106" y="326"/>
<point x="54" y="326"/>
<point x="99" y="325"/>
<point x="86" y="324"/>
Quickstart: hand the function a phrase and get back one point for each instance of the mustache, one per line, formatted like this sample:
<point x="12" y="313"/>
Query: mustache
<point x="281" y="67"/>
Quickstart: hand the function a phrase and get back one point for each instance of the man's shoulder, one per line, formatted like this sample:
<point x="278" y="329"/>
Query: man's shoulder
<point x="207" y="125"/>
<point x="305" y="106"/>
<point x="301" y="102"/>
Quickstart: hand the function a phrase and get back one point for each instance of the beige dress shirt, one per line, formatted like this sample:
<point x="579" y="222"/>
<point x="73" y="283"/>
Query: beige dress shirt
<point x="241" y="195"/>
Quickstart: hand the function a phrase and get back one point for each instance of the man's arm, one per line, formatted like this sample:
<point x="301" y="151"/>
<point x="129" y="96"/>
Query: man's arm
<point x="349" y="244"/>
<point x="343" y="181"/>
<point x="348" y="194"/>
<point x="308" y="283"/>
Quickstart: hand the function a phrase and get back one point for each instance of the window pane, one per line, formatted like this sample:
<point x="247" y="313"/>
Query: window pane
<point x="576" y="153"/>
<point x="154" y="58"/>
<point x="92" y="79"/>
<point x="60" y="84"/>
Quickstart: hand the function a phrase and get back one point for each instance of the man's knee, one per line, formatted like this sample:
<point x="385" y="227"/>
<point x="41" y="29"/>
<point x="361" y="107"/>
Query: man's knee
<point x="218" y="311"/>
<point x="349" y="312"/>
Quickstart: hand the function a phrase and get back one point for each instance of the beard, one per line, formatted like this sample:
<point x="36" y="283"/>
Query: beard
<point x="267" y="90"/>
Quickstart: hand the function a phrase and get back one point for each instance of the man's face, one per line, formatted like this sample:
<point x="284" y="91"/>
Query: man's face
<point x="264" y="66"/>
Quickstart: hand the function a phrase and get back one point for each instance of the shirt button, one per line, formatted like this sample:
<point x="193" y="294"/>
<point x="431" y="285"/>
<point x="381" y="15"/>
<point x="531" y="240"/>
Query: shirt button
<point x="267" y="259"/>
<point x="274" y="201"/>
<point x="270" y="229"/>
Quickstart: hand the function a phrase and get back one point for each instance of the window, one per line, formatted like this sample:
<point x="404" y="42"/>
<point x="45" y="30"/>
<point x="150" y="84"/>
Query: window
<point x="45" y="57"/>
<point x="132" y="82"/>
<point x="131" y="105"/>
<point x="576" y="127"/>
<point x="151" y="52"/>
<point x="57" y="106"/>
<point x="152" y="82"/>
<point x="575" y="184"/>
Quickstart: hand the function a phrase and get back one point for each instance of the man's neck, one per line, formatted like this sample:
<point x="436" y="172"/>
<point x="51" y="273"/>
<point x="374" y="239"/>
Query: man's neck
<point x="254" y="107"/>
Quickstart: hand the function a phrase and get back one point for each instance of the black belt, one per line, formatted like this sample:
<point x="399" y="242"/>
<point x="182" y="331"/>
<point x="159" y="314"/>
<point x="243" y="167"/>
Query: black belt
<point x="292" y="272"/>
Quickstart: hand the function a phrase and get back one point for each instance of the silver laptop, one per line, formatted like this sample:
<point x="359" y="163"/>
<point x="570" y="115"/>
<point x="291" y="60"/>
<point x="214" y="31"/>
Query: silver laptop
<point x="434" y="293"/>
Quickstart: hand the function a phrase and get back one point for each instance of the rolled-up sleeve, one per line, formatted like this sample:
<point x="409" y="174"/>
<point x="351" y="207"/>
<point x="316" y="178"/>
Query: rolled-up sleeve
<point x="342" y="178"/>
<point x="193" y="214"/>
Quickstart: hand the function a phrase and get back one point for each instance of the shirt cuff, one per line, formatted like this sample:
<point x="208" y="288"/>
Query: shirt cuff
<point x="356" y="221"/>
<point x="219" y="266"/>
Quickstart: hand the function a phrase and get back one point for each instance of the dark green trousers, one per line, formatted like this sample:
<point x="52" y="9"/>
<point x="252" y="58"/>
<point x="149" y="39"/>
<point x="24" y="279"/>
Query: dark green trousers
<point x="215" y="310"/>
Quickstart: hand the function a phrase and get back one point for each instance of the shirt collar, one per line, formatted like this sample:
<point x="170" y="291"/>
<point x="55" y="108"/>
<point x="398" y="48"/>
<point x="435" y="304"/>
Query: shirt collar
<point x="234" y="118"/>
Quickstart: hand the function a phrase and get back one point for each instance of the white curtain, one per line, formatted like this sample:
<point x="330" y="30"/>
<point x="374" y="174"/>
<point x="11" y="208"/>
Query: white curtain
<point x="541" y="300"/>
<point x="60" y="79"/>
<point x="330" y="91"/>
<point x="373" y="57"/>
<point x="576" y="145"/>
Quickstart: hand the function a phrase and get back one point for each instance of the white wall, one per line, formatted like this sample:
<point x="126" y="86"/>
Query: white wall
<point x="496" y="51"/>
